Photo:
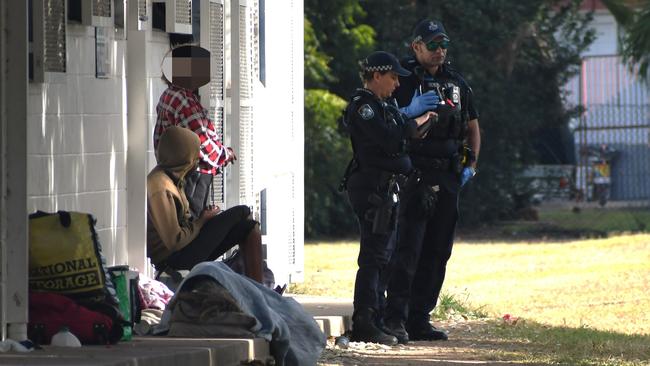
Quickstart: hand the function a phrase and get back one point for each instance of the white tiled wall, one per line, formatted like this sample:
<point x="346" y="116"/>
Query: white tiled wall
<point x="159" y="46"/>
<point x="76" y="141"/>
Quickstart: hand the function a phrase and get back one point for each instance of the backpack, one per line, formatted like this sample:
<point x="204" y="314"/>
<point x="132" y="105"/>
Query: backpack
<point x="49" y="312"/>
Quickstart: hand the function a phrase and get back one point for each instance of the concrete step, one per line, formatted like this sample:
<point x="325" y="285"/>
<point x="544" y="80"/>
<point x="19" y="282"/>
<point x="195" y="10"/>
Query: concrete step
<point x="150" y="351"/>
<point x="333" y="315"/>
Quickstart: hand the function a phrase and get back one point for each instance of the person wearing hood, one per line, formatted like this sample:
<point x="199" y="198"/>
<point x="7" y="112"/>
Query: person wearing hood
<point x="177" y="240"/>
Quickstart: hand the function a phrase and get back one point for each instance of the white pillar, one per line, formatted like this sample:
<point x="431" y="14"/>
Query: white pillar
<point x="13" y="169"/>
<point x="136" y="165"/>
<point x="232" y="123"/>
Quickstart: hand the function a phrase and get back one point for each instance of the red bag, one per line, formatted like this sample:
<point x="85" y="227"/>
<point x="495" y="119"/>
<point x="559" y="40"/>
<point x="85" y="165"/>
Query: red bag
<point x="49" y="312"/>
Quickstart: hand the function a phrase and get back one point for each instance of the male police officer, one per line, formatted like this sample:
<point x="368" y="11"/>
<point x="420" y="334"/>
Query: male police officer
<point x="378" y="133"/>
<point x="429" y="211"/>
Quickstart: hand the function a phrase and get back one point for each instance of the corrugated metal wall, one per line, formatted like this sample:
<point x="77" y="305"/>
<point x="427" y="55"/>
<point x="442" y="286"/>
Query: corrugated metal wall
<point x="617" y="113"/>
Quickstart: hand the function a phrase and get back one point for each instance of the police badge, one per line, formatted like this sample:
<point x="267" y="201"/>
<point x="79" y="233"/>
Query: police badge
<point x="366" y="112"/>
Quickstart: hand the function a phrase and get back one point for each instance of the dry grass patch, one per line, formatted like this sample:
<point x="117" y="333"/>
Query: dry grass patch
<point x="601" y="284"/>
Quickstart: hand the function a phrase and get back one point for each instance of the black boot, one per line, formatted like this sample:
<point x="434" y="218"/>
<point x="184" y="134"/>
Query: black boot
<point x="425" y="332"/>
<point x="364" y="329"/>
<point x="396" y="327"/>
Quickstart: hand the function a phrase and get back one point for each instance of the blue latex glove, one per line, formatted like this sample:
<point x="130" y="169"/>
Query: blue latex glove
<point x="421" y="103"/>
<point x="466" y="175"/>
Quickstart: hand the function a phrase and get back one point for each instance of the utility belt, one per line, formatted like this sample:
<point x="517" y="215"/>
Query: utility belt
<point x="428" y="163"/>
<point x="418" y="199"/>
<point x="371" y="175"/>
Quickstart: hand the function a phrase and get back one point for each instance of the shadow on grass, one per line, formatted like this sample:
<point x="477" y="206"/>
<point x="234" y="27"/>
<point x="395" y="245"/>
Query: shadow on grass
<point x="573" y="346"/>
<point x="516" y="339"/>
<point x="558" y="224"/>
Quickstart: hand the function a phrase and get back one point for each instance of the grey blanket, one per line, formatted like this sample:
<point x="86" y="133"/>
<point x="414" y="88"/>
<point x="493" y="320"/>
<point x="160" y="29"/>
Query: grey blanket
<point x="295" y="337"/>
<point x="206" y="309"/>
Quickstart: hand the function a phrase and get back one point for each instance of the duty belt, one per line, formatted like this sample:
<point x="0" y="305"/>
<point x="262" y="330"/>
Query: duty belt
<point x="431" y="163"/>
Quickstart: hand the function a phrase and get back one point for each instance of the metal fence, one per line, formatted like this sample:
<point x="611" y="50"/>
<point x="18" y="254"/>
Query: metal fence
<point x="617" y="116"/>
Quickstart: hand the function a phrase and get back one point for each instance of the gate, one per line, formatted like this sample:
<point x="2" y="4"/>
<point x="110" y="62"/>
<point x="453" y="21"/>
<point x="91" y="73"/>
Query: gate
<point x="612" y="136"/>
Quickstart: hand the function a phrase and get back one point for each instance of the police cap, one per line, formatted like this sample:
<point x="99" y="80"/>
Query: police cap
<point x="427" y="30"/>
<point x="383" y="61"/>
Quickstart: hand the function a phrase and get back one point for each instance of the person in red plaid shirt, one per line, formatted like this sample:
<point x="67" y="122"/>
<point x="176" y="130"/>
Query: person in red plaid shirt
<point x="179" y="105"/>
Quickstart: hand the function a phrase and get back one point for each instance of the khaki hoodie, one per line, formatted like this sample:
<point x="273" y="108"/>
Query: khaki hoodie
<point x="169" y="228"/>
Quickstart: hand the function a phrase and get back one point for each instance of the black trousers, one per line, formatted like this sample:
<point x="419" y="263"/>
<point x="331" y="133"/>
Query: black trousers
<point x="419" y="262"/>
<point x="197" y="191"/>
<point x="374" y="253"/>
<point x="222" y="232"/>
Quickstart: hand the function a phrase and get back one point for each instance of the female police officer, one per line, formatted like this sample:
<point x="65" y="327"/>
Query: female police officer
<point x="378" y="133"/>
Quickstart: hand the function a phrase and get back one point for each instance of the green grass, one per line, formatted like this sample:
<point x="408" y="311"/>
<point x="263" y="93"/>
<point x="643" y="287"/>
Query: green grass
<point x="452" y="306"/>
<point x="587" y="222"/>
<point x="581" y="302"/>
<point x="573" y="346"/>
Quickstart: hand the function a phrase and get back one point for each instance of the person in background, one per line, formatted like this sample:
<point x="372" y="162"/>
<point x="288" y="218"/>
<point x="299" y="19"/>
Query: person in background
<point x="185" y="69"/>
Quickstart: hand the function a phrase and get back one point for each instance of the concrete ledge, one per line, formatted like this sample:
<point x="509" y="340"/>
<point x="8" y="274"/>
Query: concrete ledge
<point x="150" y="351"/>
<point x="333" y="326"/>
<point x="333" y="315"/>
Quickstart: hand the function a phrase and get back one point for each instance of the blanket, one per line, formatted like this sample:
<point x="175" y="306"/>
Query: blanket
<point x="294" y="336"/>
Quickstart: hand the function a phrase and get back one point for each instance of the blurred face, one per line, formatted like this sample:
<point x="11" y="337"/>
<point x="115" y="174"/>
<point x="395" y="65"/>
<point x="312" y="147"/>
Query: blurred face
<point x="432" y="53"/>
<point x="190" y="72"/>
<point x="384" y="84"/>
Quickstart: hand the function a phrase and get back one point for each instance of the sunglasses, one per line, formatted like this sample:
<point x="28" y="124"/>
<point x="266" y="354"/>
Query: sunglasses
<point x="433" y="45"/>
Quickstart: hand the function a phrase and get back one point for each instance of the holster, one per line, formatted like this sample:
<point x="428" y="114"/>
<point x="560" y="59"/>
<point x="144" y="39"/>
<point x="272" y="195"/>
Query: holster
<point x="420" y="200"/>
<point x="383" y="203"/>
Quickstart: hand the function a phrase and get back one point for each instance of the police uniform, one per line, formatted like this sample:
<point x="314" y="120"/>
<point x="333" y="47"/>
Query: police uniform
<point x="426" y="234"/>
<point x="378" y="134"/>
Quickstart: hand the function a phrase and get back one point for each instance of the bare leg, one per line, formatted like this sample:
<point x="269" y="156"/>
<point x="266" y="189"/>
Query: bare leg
<point x="251" y="250"/>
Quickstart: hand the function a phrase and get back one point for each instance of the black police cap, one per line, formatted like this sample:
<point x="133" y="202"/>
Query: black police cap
<point x="427" y="30"/>
<point x="383" y="61"/>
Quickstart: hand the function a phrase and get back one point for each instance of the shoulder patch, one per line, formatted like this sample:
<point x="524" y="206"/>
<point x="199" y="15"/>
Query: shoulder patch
<point x="366" y="112"/>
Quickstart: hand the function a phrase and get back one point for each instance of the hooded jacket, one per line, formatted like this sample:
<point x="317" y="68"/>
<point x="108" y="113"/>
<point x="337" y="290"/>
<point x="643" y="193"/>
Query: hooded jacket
<point x="169" y="224"/>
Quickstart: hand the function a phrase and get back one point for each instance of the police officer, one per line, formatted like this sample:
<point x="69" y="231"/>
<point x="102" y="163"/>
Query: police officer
<point x="429" y="208"/>
<point x="378" y="133"/>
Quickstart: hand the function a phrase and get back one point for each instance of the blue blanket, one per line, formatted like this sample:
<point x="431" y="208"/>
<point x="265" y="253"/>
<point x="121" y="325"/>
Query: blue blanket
<point x="295" y="337"/>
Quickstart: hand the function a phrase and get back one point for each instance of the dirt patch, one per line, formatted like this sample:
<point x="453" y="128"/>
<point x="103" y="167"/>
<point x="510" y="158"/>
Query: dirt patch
<point x="470" y="343"/>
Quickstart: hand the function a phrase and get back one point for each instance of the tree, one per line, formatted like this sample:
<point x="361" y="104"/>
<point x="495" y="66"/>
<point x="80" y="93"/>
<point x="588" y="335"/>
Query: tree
<point x="335" y="39"/>
<point x="636" y="40"/>
<point x="327" y="152"/>
<point x="317" y="71"/>
<point x="516" y="54"/>
<point x="343" y="36"/>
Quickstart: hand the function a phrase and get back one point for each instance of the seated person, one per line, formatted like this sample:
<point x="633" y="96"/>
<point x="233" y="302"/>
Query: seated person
<point x="174" y="239"/>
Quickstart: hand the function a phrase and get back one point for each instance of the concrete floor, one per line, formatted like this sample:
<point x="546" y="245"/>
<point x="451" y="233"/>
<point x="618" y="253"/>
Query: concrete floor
<point x="333" y="316"/>
<point x="150" y="351"/>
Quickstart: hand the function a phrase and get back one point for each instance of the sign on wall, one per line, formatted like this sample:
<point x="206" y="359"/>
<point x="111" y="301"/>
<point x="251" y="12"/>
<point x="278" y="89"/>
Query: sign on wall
<point x="102" y="52"/>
